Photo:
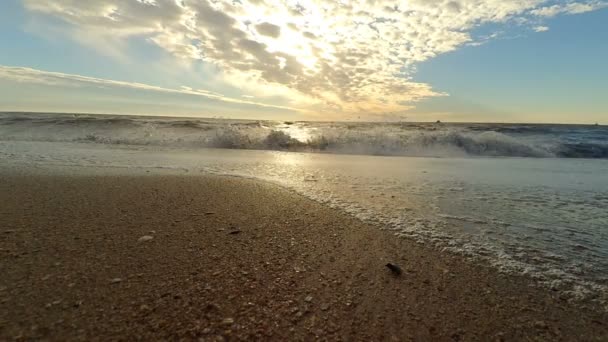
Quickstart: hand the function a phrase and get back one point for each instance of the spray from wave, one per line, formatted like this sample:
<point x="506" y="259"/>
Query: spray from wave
<point x="389" y="139"/>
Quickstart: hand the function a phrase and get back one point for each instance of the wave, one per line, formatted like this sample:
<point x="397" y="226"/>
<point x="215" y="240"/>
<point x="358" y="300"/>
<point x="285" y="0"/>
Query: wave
<point x="442" y="143"/>
<point x="583" y="150"/>
<point x="387" y="139"/>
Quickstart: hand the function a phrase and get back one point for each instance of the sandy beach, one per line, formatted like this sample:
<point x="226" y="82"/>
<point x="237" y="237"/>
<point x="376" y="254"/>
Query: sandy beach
<point x="168" y="257"/>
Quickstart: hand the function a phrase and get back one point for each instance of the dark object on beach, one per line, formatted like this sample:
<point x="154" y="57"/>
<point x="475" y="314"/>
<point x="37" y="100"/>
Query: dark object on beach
<point x="394" y="268"/>
<point x="234" y="232"/>
<point x="438" y="121"/>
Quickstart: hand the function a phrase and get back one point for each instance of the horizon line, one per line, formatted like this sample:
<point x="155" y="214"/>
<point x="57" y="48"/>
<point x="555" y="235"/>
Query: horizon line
<point x="339" y="121"/>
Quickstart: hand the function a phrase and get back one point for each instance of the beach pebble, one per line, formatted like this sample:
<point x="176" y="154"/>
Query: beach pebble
<point x="116" y="280"/>
<point x="213" y="307"/>
<point x="308" y="299"/>
<point x="394" y="268"/>
<point x="145" y="238"/>
<point x="227" y="321"/>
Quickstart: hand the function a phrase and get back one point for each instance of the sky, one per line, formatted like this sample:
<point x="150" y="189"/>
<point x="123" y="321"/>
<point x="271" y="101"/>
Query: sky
<point x="419" y="60"/>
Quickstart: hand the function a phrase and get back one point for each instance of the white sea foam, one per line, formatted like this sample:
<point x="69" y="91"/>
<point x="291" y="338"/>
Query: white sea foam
<point x="396" y="139"/>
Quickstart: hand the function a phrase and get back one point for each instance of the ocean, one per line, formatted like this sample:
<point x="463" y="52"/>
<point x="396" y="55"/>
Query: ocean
<point x="384" y="139"/>
<point x="526" y="199"/>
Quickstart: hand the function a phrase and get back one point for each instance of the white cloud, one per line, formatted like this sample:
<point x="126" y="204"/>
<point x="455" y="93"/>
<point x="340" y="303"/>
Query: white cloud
<point x="569" y="8"/>
<point x="333" y="56"/>
<point x="541" y="29"/>
<point x="33" y="76"/>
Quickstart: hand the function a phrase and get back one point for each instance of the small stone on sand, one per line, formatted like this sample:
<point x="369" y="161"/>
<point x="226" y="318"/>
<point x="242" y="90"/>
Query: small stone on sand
<point x="145" y="238"/>
<point x="394" y="268"/>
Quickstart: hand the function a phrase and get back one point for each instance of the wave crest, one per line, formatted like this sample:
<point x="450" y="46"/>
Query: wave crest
<point x="402" y="139"/>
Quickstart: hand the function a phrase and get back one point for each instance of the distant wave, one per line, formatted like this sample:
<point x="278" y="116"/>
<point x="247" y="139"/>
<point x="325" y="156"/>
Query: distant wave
<point x="582" y="150"/>
<point x="390" y="139"/>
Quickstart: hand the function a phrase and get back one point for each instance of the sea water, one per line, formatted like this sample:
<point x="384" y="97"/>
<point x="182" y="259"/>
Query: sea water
<point x="392" y="139"/>
<point x="527" y="199"/>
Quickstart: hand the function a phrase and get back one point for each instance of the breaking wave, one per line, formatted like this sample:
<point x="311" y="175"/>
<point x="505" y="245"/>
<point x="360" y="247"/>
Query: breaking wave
<point x="388" y="139"/>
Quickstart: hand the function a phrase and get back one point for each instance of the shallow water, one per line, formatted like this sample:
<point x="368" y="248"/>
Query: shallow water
<point x="544" y="217"/>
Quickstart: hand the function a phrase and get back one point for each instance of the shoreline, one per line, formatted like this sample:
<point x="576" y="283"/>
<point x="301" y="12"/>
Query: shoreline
<point x="241" y="259"/>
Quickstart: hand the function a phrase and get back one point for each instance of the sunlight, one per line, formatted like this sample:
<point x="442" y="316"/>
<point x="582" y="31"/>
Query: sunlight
<point x="290" y="170"/>
<point x="297" y="131"/>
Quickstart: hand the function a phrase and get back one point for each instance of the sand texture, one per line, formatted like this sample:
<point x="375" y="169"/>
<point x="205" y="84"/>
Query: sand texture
<point x="212" y="259"/>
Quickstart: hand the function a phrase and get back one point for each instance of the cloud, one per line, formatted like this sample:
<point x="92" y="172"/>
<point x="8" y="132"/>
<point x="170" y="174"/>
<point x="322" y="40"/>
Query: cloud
<point x="268" y="29"/>
<point x="541" y="29"/>
<point x="33" y="76"/>
<point x="335" y="56"/>
<point x="569" y="8"/>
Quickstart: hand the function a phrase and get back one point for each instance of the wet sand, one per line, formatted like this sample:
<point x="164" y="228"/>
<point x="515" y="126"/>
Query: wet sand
<point x="234" y="259"/>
